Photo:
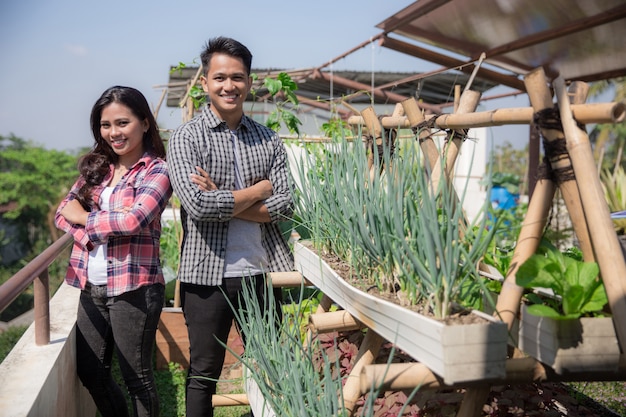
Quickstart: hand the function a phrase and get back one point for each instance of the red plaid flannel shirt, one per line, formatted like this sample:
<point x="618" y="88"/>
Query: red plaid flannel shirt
<point x="133" y="236"/>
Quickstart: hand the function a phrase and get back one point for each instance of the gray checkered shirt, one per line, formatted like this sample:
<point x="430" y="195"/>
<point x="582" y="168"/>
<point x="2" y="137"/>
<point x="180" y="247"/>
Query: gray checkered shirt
<point x="205" y="141"/>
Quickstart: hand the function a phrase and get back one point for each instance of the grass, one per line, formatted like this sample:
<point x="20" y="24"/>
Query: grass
<point x="611" y="395"/>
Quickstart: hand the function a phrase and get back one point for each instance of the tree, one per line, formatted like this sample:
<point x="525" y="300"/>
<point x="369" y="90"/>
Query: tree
<point x="513" y="162"/>
<point x="32" y="182"/>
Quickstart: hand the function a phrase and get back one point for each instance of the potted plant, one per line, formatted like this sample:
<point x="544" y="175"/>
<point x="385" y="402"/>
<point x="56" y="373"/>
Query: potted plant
<point x="565" y="326"/>
<point x="414" y="254"/>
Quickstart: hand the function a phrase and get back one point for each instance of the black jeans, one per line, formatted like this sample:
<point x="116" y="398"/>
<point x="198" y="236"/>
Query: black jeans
<point x="209" y="317"/>
<point x="126" y="323"/>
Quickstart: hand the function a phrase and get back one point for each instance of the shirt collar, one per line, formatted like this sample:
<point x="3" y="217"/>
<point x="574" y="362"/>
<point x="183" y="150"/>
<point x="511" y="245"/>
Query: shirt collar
<point x="213" y="121"/>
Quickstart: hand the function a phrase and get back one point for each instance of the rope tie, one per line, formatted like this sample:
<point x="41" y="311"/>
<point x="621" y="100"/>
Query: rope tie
<point x="555" y="150"/>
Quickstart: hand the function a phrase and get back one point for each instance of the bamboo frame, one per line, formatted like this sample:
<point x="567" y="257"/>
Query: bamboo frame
<point x="605" y="244"/>
<point x="467" y="104"/>
<point x="415" y="117"/>
<point x="367" y="354"/>
<point x="584" y="113"/>
<point x="541" y="99"/>
<point x="340" y="321"/>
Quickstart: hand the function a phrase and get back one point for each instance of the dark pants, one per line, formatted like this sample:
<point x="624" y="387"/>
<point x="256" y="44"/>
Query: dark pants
<point x="126" y="323"/>
<point x="209" y="317"/>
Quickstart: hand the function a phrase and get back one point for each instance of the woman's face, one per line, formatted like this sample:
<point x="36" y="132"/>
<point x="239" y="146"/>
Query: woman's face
<point x="123" y="131"/>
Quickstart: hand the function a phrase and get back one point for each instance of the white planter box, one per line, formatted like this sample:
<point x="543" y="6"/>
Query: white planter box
<point x="585" y="344"/>
<point x="457" y="353"/>
<point x="258" y="406"/>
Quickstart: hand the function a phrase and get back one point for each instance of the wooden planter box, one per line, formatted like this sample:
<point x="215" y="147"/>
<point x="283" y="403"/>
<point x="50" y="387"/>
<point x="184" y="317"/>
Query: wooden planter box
<point x="585" y="344"/>
<point x="457" y="353"/>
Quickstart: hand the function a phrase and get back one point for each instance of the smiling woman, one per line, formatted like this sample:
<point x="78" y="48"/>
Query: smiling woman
<point x="113" y="212"/>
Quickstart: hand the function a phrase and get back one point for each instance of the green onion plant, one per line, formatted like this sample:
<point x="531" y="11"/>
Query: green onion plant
<point x="389" y="223"/>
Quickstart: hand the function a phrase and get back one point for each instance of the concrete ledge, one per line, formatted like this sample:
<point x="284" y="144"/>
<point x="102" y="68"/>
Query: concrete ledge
<point x="41" y="380"/>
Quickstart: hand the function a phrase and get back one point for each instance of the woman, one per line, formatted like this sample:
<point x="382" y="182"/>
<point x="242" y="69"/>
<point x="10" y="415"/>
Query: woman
<point x="113" y="211"/>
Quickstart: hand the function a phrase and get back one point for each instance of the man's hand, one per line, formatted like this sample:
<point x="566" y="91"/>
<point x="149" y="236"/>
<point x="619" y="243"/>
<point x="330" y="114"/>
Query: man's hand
<point x="202" y="180"/>
<point x="264" y="189"/>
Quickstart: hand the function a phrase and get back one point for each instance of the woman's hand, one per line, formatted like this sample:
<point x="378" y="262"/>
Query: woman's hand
<point x="75" y="213"/>
<point x="202" y="180"/>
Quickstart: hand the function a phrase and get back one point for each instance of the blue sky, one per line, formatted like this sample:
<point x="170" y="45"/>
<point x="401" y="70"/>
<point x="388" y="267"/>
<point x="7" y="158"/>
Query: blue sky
<point x="58" y="56"/>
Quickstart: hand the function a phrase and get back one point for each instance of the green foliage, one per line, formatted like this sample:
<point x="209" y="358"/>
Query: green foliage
<point x="9" y="338"/>
<point x="198" y="96"/>
<point x="336" y="127"/>
<point x="578" y="290"/>
<point x="614" y="185"/>
<point x="389" y="223"/>
<point x="283" y="366"/>
<point x="171" y="236"/>
<point x="282" y="87"/>
<point x="505" y="180"/>
<point x="32" y="182"/>
<point x="509" y="166"/>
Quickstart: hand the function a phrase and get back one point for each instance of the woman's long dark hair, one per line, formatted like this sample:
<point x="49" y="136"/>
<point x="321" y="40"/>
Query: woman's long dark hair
<point x="94" y="166"/>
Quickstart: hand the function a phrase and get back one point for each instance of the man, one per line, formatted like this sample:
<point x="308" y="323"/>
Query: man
<point x="231" y="176"/>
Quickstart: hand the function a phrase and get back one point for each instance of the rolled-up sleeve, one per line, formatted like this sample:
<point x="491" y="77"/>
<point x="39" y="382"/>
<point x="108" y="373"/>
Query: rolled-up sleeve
<point x="185" y="153"/>
<point x="134" y="207"/>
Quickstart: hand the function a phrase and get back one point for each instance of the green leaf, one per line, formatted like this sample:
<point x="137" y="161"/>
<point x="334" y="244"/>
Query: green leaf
<point x="542" y="311"/>
<point x="573" y="300"/>
<point x="273" y="86"/>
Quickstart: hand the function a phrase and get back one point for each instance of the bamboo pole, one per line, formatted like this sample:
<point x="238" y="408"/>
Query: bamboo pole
<point x="605" y="244"/>
<point x="507" y="306"/>
<point x="541" y="99"/>
<point x="467" y="104"/>
<point x="324" y="305"/>
<point x="474" y="398"/>
<point x="375" y="130"/>
<point x="406" y="376"/>
<point x="614" y="112"/>
<point x="415" y="117"/>
<point x="288" y="279"/>
<point x="340" y="321"/>
<point x="367" y="354"/>
<point x="226" y="400"/>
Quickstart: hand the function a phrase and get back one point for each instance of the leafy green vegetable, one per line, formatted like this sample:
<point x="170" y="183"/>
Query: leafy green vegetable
<point x="575" y="284"/>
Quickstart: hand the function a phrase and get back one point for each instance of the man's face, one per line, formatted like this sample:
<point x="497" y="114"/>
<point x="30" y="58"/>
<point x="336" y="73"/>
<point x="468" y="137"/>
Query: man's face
<point x="227" y="84"/>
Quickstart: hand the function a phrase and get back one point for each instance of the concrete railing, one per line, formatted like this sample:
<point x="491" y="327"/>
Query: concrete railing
<point x="41" y="380"/>
<point x="39" y="374"/>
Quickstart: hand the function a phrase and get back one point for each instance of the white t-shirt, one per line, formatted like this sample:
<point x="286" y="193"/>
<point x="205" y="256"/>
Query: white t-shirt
<point x="97" y="265"/>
